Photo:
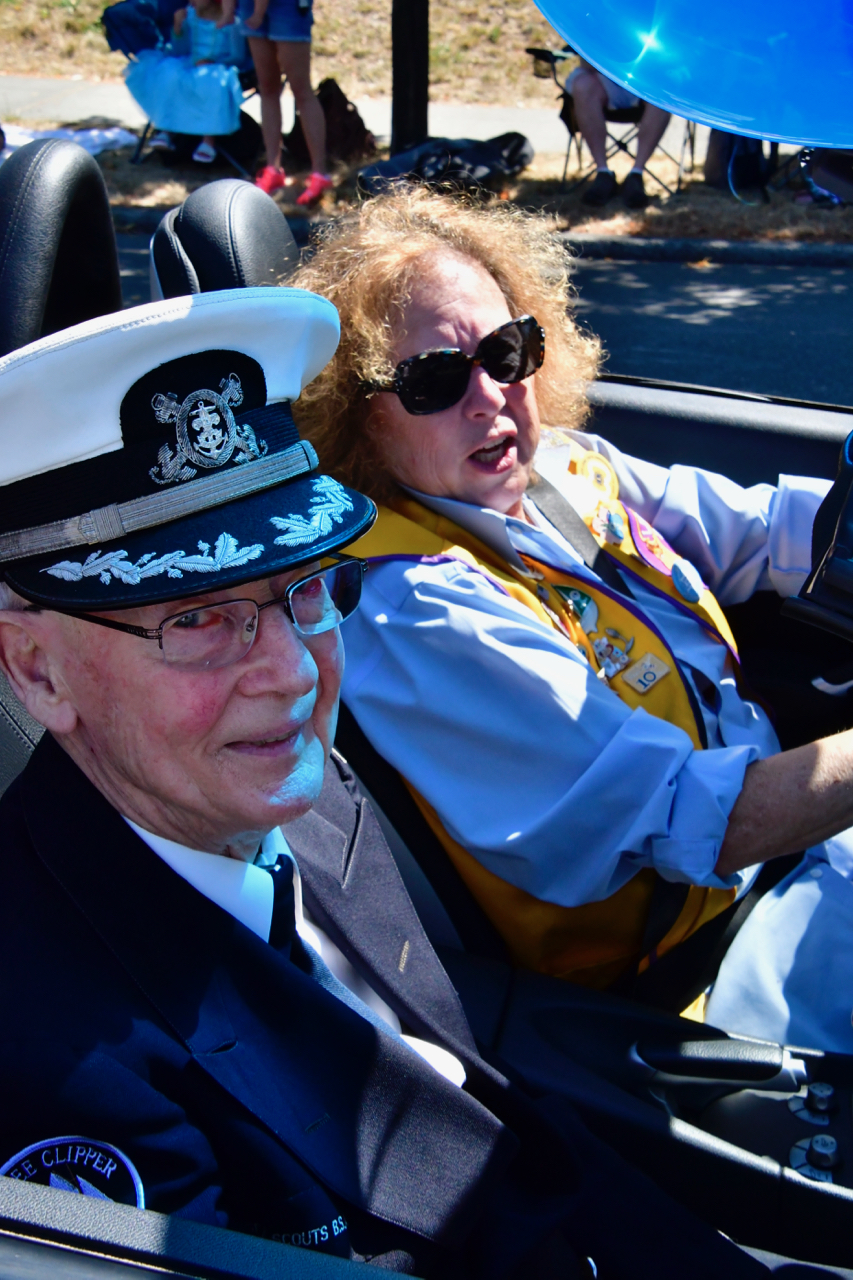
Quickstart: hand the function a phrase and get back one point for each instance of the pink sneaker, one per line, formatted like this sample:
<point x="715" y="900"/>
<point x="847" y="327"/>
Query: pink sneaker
<point x="316" y="185"/>
<point x="270" y="179"/>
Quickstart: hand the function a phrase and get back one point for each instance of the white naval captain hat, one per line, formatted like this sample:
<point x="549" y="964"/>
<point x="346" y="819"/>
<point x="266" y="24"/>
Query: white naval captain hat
<point x="151" y="454"/>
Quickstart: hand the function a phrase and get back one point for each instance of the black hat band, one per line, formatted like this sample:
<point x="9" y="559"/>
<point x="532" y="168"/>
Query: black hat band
<point x="118" y="519"/>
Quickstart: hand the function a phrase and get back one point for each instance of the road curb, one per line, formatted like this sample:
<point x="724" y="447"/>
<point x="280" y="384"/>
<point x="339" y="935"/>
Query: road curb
<point x="144" y="219"/>
<point x="756" y="252"/>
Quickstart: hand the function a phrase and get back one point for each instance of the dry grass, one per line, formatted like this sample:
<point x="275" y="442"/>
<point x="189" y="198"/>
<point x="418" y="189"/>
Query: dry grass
<point x="477" y="47"/>
<point x="63" y="38"/>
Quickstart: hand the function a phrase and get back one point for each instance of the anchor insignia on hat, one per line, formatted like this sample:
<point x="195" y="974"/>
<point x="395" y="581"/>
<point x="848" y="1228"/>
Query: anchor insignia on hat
<point x="206" y="432"/>
<point x="88" y="521"/>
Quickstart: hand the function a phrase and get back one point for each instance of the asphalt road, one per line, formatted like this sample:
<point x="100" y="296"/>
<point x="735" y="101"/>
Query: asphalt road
<point x="133" y="264"/>
<point x="784" y="331"/>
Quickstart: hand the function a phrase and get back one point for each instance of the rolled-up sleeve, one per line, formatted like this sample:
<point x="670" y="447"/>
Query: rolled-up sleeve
<point x="533" y="764"/>
<point x="741" y="540"/>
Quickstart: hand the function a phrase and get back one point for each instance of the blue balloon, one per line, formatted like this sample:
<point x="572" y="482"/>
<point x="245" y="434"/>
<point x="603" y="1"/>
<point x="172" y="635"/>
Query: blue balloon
<point x="781" y="70"/>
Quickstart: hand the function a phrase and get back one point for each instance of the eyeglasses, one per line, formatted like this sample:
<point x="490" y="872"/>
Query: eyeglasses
<point x="436" y="380"/>
<point x="215" y="635"/>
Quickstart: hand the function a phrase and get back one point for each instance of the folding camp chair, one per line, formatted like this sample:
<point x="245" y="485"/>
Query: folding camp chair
<point x="545" y="63"/>
<point x="133" y="25"/>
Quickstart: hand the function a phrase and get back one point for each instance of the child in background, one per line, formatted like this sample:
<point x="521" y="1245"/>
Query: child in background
<point x="197" y="92"/>
<point x="255" y="18"/>
<point x="279" y="36"/>
<point x="259" y="12"/>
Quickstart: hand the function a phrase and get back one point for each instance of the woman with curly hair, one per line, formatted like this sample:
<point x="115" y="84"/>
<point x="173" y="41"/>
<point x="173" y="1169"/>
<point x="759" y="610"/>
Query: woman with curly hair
<point x="371" y="263"/>
<point x="537" y="652"/>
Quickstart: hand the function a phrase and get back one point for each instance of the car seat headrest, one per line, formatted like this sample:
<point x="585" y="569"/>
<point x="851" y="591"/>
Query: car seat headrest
<point x="227" y="235"/>
<point x="58" y="260"/>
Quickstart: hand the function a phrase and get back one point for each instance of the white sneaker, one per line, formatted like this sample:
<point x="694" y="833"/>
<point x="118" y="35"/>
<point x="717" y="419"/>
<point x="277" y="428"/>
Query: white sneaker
<point x="204" y="153"/>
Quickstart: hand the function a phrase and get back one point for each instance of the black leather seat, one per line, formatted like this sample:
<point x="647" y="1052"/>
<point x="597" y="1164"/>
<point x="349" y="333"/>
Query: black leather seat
<point x="58" y="267"/>
<point x="19" y="734"/>
<point x="58" y="260"/>
<point x="226" y="235"/>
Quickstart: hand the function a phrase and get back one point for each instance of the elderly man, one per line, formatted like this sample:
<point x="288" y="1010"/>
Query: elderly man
<point x="171" y="604"/>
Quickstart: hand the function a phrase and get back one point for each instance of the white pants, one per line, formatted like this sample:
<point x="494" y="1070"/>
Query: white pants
<point x="788" y="975"/>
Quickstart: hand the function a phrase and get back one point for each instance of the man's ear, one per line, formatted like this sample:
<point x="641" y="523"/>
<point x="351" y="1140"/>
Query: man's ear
<point x="26" y="663"/>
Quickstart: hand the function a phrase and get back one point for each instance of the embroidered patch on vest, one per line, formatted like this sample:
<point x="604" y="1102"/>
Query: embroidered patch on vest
<point x="80" y="1165"/>
<point x="600" y="474"/>
<point x="608" y="524"/>
<point x="583" y="606"/>
<point x="654" y="550"/>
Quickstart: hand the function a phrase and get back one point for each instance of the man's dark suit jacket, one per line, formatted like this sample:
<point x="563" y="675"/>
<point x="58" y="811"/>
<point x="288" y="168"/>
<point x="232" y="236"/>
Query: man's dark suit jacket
<point x="138" y="1013"/>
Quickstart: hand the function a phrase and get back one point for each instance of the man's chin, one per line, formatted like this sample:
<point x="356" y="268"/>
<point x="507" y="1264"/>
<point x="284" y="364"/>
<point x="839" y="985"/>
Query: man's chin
<point x="260" y="793"/>
<point x="300" y="789"/>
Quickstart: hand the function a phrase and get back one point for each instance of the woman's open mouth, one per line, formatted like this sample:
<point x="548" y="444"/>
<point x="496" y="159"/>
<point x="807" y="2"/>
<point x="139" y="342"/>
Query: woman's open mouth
<point x="495" y="456"/>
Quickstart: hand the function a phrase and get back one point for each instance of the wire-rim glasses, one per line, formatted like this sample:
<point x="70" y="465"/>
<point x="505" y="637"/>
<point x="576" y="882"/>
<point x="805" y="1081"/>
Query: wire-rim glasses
<point x="216" y="635"/>
<point x="437" y="380"/>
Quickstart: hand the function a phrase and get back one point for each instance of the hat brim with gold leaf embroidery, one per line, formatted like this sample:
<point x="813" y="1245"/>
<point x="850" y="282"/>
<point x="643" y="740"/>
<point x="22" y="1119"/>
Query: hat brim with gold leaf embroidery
<point x="151" y="454"/>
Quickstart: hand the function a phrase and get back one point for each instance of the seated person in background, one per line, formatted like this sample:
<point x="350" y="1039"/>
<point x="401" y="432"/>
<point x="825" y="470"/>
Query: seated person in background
<point x="197" y="92"/>
<point x="166" y="996"/>
<point x="545" y="666"/>
<point x="592" y="94"/>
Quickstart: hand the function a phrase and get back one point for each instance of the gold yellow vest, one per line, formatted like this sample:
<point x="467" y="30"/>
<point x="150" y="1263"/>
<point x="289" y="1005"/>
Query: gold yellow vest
<point x="595" y="943"/>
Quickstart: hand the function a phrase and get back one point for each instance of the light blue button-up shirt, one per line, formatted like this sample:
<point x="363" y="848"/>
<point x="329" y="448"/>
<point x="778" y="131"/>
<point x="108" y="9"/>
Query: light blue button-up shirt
<point x="533" y="764"/>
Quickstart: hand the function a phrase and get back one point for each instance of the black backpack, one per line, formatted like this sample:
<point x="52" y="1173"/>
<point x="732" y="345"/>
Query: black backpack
<point x="736" y="164"/>
<point x="347" y="137"/>
<point x="467" y="164"/>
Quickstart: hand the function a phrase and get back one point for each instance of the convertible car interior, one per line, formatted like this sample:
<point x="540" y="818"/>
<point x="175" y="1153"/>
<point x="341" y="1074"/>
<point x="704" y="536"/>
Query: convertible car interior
<point x="734" y="1128"/>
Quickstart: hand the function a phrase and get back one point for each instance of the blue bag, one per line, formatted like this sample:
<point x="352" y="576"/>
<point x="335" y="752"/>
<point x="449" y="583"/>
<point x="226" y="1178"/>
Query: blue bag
<point x="133" y="25"/>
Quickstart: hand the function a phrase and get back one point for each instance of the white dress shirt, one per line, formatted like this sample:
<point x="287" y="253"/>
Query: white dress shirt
<point x="245" y="890"/>
<point x="533" y="764"/>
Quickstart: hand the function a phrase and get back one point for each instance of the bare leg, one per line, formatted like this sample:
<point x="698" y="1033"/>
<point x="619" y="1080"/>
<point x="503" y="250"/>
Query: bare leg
<point x="651" y="131"/>
<point x="590" y="99"/>
<point x="269" y="88"/>
<point x="294" y="57"/>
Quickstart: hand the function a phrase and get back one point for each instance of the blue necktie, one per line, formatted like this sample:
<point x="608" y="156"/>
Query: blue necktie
<point x="283" y="925"/>
<point x="285" y="940"/>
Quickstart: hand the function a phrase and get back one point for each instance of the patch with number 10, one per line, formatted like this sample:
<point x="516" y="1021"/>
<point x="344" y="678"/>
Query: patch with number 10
<point x="646" y="673"/>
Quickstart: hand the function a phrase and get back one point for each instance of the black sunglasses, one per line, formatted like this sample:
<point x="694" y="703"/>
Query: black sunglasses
<point x="436" y="380"/>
